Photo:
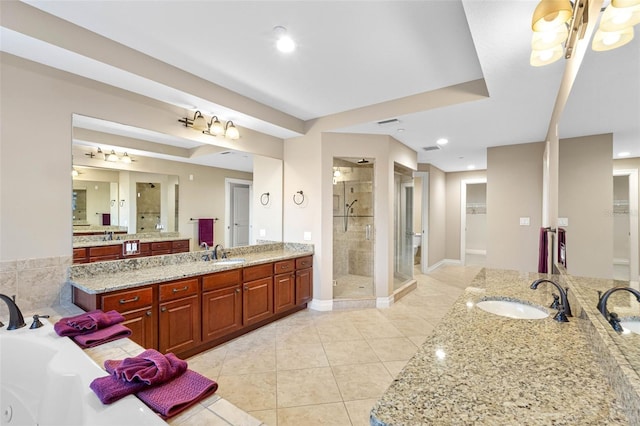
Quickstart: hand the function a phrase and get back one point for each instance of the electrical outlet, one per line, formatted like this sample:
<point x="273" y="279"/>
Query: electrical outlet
<point x="307" y="236"/>
<point x="563" y="221"/>
<point x="525" y="221"/>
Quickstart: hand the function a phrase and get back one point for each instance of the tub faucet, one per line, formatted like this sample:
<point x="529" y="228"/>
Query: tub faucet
<point x="15" y="316"/>
<point x="564" y="310"/>
<point x="602" y="304"/>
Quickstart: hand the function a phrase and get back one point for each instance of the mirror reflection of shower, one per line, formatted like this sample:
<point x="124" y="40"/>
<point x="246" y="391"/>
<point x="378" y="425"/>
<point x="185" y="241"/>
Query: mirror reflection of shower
<point x="346" y="214"/>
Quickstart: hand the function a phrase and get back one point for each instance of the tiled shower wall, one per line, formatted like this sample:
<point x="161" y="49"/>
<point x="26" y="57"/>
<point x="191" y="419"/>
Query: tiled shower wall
<point x="36" y="283"/>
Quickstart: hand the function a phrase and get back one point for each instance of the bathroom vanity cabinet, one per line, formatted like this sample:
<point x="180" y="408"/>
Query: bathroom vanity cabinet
<point x="191" y="315"/>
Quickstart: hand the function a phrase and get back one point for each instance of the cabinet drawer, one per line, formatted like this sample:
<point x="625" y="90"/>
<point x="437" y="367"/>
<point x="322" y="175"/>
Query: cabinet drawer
<point x="180" y="246"/>
<point x="161" y="246"/>
<point x="178" y="289"/>
<point x="145" y="249"/>
<point x="128" y="300"/>
<point x="284" y="266"/>
<point x="304" y="262"/>
<point x="79" y="253"/>
<point x="221" y="280"/>
<point x="252" y="273"/>
<point x="105" y="251"/>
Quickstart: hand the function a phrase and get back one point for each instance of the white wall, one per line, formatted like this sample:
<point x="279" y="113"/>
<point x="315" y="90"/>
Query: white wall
<point x="270" y="171"/>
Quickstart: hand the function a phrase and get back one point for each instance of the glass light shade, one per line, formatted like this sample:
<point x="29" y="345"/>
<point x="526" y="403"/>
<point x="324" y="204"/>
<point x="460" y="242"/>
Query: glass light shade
<point x="199" y="122"/>
<point x="625" y="3"/>
<point x="550" y="14"/>
<point x="603" y="40"/>
<point x="126" y="158"/>
<point x="285" y="44"/>
<point x="101" y="154"/>
<point x="112" y="156"/>
<point x="231" y="131"/>
<point x="74" y="173"/>
<point x="617" y="18"/>
<point x="545" y="57"/>
<point x="549" y="39"/>
<point x="216" y="126"/>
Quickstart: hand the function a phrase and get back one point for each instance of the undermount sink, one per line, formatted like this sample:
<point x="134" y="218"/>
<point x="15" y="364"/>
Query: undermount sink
<point x="632" y="326"/>
<point x="512" y="309"/>
<point x="233" y="261"/>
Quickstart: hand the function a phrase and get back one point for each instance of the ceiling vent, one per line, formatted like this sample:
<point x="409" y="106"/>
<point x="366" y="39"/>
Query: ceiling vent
<point x="388" y="122"/>
<point x="432" y="148"/>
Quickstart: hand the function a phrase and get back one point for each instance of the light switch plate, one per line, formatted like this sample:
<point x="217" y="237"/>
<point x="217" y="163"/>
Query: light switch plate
<point x="307" y="236"/>
<point x="563" y="221"/>
<point x="525" y="221"/>
<point x="263" y="232"/>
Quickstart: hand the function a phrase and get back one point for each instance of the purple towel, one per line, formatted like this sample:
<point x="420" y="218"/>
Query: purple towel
<point x="179" y="394"/>
<point x="205" y="231"/>
<point x="104" y="335"/>
<point x="87" y="322"/>
<point x="114" y="387"/>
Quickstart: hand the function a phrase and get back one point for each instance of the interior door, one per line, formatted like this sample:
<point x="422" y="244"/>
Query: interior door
<point x="239" y="214"/>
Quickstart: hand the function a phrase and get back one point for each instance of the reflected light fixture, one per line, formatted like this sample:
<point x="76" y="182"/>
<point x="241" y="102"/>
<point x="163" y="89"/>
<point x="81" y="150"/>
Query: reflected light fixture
<point x="74" y="173"/>
<point x="126" y="159"/>
<point x="558" y="22"/>
<point x="284" y="42"/>
<point x="112" y="156"/>
<point x="215" y="126"/>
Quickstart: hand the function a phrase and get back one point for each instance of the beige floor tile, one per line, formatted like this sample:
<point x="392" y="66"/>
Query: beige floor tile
<point x="249" y="392"/>
<point x="338" y="332"/>
<point x="362" y="381"/>
<point x="258" y="360"/>
<point x="324" y="414"/>
<point x="378" y="330"/>
<point x="306" y="387"/>
<point x="418" y="340"/>
<point x="394" y="367"/>
<point x="359" y="411"/>
<point x="415" y="326"/>
<point x="352" y="352"/>
<point x="209" y="363"/>
<point x="394" y="349"/>
<point x="294" y="357"/>
<point x="297" y="334"/>
<point x="267" y="417"/>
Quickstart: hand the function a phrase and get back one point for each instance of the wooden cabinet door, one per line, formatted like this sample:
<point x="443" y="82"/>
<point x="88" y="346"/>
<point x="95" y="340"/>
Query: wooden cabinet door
<point x="304" y="286"/>
<point x="143" y="325"/>
<point x="221" y="312"/>
<point x="284" y="292"/>
<point x="257" y="300"/>
<point x="179" y="325"/>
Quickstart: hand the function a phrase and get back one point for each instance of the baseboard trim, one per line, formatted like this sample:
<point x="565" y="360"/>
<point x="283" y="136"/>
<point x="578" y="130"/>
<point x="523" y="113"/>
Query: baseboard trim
<point x="321" y="305"/>
<point x="444" y="262"/>
<point x="384" y="302"/>
<point x="476" y="251"/>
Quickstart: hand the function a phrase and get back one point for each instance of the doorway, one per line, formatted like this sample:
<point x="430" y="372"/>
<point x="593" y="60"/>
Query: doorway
<point x="238" y="212"/>
<point x="403" y="224"/>
<point x="473" y="222"/>
<point x="625" y="225"/>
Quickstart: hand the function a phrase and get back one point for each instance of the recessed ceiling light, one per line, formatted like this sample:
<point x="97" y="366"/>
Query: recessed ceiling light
<point x="284" y="43"/>
<point x="400" y="130"/>
<point x="442" y="141"/>
<point x="471" y="167"/>
<point x="624" y="154"/>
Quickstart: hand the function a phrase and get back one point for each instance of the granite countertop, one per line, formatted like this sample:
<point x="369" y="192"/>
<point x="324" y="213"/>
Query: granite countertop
<point x="110" y="276"/>
<point x="480" y="368"/>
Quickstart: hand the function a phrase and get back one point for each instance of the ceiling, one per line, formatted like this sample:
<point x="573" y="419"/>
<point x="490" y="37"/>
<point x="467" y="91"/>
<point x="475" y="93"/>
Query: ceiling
<point x="354" y="54"/>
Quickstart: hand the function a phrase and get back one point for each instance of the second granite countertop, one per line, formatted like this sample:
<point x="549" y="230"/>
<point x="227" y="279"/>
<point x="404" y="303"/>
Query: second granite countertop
<point x="480" y="368"/>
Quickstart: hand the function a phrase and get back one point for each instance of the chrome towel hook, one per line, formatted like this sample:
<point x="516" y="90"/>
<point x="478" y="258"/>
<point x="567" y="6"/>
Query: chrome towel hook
<point x="300" y="198"/>
<point x="264" y="199"/>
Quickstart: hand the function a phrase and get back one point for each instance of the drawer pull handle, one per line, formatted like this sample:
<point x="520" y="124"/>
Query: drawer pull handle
<point x="135" y="299"/>
<point x="246" y="288"/>
<point x="148" y="313"/>
<point x="164" y="309"/>
<point x="175" y="290"/>
<point x="237" y="290"/>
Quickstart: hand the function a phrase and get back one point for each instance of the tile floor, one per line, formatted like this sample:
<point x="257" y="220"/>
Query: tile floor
<point x="327" y="368"/>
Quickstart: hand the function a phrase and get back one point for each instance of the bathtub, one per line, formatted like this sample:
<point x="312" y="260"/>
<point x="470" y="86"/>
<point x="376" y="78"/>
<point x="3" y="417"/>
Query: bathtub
<point x="44" y="380"/>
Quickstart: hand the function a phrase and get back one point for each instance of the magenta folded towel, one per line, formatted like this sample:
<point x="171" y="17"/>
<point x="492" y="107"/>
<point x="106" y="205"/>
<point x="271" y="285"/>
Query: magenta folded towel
<point x="104" y="335"/>
<point x="87" y="322"/>
<point x="115" y="386"/>
<point x="179" y="394"/>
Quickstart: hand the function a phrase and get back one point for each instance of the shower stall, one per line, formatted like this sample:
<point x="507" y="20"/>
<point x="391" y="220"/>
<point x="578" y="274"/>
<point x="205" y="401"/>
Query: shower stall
<point x="353" y="234"/>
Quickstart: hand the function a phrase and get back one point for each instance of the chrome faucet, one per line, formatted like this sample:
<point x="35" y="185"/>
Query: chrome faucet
<point x="204" y="245"/>
<point x="215" y="252"/>
<point x="602" y="305"/>
<point x="15" y="316"/>
<point x="564" y="310"/>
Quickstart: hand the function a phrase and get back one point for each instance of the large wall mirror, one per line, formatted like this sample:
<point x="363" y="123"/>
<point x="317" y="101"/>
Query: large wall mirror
<point x="140" y="181"/>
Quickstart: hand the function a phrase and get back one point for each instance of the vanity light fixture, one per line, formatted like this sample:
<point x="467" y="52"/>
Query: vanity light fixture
<point x="112" y="156"/>
<point x="126" y="159"/>
<point x="213" y="128"/>
<point x="558" y="22"/>
<point x="74" y="173"/>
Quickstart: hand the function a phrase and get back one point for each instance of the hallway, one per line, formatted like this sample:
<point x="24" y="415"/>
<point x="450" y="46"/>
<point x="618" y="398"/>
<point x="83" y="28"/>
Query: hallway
<point x="326" y="367"/>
